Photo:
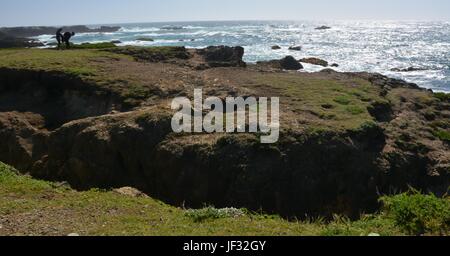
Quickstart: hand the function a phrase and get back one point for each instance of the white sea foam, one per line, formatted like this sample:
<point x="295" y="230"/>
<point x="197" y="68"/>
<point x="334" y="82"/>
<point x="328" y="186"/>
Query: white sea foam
<point x="373" y="46"/>
<point x="138" y="29"/>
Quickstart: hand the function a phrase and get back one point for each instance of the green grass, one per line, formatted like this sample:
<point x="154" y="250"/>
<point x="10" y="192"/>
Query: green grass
<point x="355" y="110"/>
<point x="343" y="100"/>
<point x="24" y="200"/>
<point x="152" y="54"/>
<point x="211" y="213"/>
<point x="76" y="62"/>
<point x="90" y="62"/>
<point x="442" y="135"/>
<point x="445" y="97"/>
<point x="419" y="214"/>
<point x="338" y="104"/>
<point x="86" y="46"/>
<point x="104" y="45"/>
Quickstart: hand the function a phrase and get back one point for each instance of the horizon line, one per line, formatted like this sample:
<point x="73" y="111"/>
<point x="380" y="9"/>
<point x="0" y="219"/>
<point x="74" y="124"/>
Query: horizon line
<point x="230" y="20"/>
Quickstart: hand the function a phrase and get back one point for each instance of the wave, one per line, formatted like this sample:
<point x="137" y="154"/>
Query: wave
<point x="138" y="29"/>
<point x="372" y="46"/>
<point x="194" y="27"/>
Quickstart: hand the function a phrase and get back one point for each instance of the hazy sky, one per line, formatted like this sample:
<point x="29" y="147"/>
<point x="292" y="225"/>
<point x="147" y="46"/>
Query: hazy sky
<point x="63" y="12"/>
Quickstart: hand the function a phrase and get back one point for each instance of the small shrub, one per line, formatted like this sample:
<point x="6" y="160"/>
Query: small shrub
<point x="445" y="97"/>
<point x="342" y="100"/>
<point x="366" y="225"/>
<point x="443" y="135"/>
<point x="418" y="214"/>
<point x="355" y="110"/>
<point x="152" y="54"/>
<point x="85" y="46"/>
<point x="6" y="171"/>
<point x="211" y="213"/>
<point x="105" y="45"/>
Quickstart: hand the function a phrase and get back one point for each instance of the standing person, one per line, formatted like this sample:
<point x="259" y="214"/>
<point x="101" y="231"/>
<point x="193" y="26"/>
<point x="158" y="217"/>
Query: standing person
<point x="59" y="37"/>
<point x="66" y="38"/>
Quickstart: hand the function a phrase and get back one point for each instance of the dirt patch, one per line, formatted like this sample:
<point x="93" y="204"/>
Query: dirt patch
<point x="49" y="100"/>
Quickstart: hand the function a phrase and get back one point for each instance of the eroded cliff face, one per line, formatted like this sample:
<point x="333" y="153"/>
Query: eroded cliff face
<point x="33" y="104"/>
<point x="58" y="127"/>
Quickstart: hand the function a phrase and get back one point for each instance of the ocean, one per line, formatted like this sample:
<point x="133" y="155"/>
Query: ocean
<point x="372" y="46"/>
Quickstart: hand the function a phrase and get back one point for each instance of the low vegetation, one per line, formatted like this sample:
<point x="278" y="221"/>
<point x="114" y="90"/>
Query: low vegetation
<point x="152" y="54"/>
<point x="445" y="97"/>
<point x="331" y="103"/>
<point x="419" y="214"/>
<point x="105" y="45"/>
<point x="75" y="62"/>
<point x="443" y="135"/>
<point x="33" y="207"/>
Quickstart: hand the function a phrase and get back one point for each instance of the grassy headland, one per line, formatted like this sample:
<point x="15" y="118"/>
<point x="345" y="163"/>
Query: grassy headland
<point x="33" y="207"/>
<point x="345" y="137"/>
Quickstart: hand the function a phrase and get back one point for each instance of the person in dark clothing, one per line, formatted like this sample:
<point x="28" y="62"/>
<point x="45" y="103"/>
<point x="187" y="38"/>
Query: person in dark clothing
<point x="59" y="37"/>
<point x="66" y="38"/>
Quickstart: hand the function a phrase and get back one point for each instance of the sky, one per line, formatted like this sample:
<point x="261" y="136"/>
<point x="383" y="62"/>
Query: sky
<point x="63" y="12"/>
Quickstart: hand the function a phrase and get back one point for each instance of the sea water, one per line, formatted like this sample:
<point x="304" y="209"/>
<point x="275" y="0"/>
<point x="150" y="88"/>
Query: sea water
<point x="372" y="46"/>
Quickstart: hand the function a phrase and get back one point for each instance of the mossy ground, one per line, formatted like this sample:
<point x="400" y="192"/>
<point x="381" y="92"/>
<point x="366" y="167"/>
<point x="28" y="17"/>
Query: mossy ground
<point x="33" y="207"/>
<point x="331" y="103"/>
<point x="75" y="62"/>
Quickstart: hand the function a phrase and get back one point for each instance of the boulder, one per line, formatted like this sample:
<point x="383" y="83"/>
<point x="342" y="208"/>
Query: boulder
<point x="290" y="63"/>
<point x="145" y="39"/>
<point x="315" y="61"/>
<point x="172" y="28"/>
<point x="410" y="69"/>
<point x="130" y="192"/>
<point x="116" y="42"/>
<point x="295" y="48"/>
<point x="276" y="47"/>
<point x="334" y="65"/>
<point x="223" y="56"/>
<point x="323" y="28"/>
<point x="287" y="63"/>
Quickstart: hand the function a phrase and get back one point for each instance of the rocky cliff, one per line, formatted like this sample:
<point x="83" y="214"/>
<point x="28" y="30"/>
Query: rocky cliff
<point x="346" y="137"/>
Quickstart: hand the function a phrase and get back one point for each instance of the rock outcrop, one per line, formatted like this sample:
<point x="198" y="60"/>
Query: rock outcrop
<point x="286" y="63"/>
<point x="315" y="61"/>
<point x="37" y="31"/>
<point x="290" y="63"/>
<point x="410" y="69"/>
<point x="295" y="48"/>
<point x="172" y="28"/>
<point x="145" y="39"/>
<point x="7" y="41"/>
<point x="148" y="55"/>
<point x="323" y="28"/>
<point x="223" y="56"/>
